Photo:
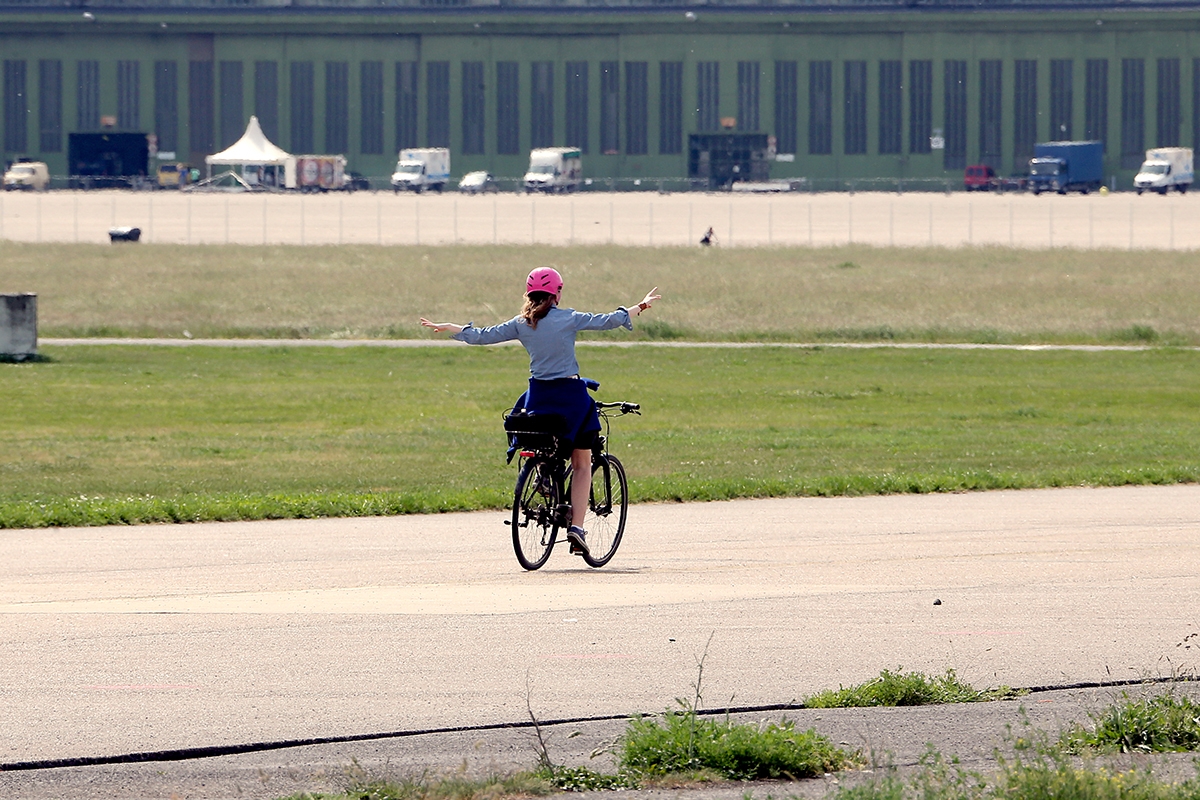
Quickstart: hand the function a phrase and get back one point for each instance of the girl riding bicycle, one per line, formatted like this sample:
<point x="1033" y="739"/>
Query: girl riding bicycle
<point x="548" y="335"/>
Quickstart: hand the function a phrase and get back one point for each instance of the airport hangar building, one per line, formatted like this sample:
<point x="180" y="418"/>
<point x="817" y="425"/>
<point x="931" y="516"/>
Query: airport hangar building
<point x="836" y="91"/>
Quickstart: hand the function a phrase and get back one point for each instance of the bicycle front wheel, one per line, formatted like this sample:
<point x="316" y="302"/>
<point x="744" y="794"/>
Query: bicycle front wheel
<point x="608" y="504"/>
<point x="535" y="513"/>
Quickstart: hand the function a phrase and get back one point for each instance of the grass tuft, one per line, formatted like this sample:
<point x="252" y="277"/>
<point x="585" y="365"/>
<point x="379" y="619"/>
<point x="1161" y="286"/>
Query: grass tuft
<point x="684" y="742"/>
<point x="911" y="689"/>
<point x="1163" y="724"/>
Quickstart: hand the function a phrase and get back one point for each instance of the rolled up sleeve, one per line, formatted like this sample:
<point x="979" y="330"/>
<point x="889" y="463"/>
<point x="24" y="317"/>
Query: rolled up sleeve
<point x="493" y="334"/>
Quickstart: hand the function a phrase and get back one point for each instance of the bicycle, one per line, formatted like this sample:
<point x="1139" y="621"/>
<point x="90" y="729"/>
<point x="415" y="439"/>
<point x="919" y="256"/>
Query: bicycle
<point x="541" y="501"/>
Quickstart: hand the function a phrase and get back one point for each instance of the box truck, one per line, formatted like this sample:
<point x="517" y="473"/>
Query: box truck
<point x="554" y="169"/>
<point x="1165" y="168"/>
<point x="1066" y="167"/>
<point x="315" y="173"/>
<point x="418" y="169"/>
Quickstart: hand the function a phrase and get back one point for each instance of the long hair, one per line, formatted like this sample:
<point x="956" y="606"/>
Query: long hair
<point x="537" y="305"/>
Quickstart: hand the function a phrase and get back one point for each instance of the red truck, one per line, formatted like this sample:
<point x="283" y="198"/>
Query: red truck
<point x="979" y="177"/>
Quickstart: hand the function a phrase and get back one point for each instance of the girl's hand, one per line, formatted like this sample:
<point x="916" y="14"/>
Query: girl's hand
<point x="648" y="300"/>
<point x="441" y="326"/>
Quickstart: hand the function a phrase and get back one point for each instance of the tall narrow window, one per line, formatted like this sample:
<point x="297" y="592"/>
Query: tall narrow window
<point x="87" y="95"/>
<point x="637" y="100"/>
<point x="50" y="108"/>
<point x="541" y="104"/>
<point x="201" y="127"/>
<point x="854" y="118"/>
<point x="337" y="106"/>
<point x="748" y="82"/>
<point x="472" y="107"/>
<point x="371" y="107"/>
<point x="891" y="104"/>
<point x="610" y="107"/>
<point x="406" y="104"/>
<point x="1061" y="99"/>
<point x="820" y="107"/>
<point x="266" y="97"/>
<point x="920" y="106"/>
<point x="786" y="101"/>
<point x="508" y="126"/>
<point x="670" y="107"/>
<point x="1168" y="103"/>
<point x="577" y="105"/>
<point x="1095" y="105"/>
<point x="1196" y="103"/>
<point x="129" y="117"/>
<point x="1024" y="112"/>
<point x="1133" y="112"/>
<point x="166" y="105"/>
<point x="233" y="124"/>
<point x="955" y="154"/>
<point x="991" y="103"/>
<point x="437" y="116"/>
<point x="708" y="96"/>
<point x="302" y="103"/>
<point x="16" y="106"/>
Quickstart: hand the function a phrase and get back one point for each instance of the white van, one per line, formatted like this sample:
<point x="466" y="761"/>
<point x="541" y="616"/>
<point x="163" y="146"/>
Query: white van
<point x="554" y="169"/>
<point x="1165" y="168"/>
<point x="32" y="176"/>
<point x="420" y="168"/>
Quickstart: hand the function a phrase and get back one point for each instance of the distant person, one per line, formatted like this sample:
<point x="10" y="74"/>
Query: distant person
<point x="709" y="238"/>
<point x="548" y="334"/>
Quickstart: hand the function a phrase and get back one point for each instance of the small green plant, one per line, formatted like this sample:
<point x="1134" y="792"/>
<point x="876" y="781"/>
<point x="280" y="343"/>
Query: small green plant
<point x="912" y="689"/>
<point x="1163" y="724"/>
<point x="582" y="779"/>
<point x="1137" y="334"/>
<point x="683" y="742"/>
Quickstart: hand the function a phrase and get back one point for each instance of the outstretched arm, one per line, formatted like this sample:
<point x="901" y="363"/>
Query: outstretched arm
<point x="648" y="300"/>
<point x="442" y="326"/>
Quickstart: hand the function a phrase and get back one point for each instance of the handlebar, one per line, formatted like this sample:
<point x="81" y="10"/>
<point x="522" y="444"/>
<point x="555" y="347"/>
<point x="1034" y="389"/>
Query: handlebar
<point x="624" y="408"/>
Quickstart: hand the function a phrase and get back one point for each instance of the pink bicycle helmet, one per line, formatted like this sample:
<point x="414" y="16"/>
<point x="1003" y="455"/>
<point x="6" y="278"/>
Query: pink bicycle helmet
<point x="545" y="279"/>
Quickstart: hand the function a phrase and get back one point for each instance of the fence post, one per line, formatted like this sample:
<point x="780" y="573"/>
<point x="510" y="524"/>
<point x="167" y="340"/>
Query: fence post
<point x="1131" y="226"/>
<point x="417" y="218"/>
<point x="652" y="223"/>
<point x="264" y="227"/>
<point x="850" y="216"/>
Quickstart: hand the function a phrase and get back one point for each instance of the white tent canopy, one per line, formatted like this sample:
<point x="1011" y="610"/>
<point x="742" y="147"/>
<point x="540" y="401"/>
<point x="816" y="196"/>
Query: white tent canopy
<point x="253" y="148"/>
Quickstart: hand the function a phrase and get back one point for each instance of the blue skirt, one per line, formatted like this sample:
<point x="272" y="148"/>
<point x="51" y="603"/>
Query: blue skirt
<point x="569" y="398"/>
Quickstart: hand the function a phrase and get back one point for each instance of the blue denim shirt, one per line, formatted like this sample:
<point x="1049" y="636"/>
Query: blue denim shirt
<point x="551" y="345"/>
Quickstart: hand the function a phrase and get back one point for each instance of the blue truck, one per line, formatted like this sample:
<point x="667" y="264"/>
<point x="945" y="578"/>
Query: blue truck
<point x="1066" y="167"/>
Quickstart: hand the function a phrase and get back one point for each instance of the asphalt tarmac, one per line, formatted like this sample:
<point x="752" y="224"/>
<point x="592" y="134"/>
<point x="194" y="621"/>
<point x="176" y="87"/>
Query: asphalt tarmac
<point x="1122" y="220"/>
<point x="159" y="643"/>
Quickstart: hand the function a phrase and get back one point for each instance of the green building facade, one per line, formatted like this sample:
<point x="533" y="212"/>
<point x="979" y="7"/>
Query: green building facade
<point x="845" y="93"/>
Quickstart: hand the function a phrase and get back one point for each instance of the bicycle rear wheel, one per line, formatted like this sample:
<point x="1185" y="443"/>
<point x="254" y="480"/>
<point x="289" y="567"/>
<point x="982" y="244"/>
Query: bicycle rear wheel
<point x="535" y="513"/>
<point x="608" y="504"/>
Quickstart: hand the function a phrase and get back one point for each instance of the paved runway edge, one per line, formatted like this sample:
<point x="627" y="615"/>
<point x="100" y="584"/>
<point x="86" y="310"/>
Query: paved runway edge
<point x="216" y="751"/>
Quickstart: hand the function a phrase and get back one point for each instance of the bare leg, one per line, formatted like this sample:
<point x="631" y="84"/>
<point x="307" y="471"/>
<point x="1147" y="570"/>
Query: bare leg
<point x="581" y="469"/>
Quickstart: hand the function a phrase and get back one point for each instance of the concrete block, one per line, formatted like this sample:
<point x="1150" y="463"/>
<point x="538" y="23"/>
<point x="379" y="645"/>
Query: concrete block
<point x="18" y="325"/>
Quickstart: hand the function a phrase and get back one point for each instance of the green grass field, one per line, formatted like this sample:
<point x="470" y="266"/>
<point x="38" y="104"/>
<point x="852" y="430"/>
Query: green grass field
<point x="786" y="294"/>
<point x="119" y="434"/>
